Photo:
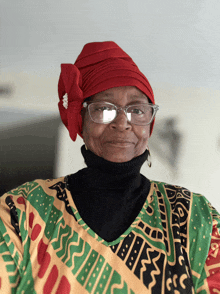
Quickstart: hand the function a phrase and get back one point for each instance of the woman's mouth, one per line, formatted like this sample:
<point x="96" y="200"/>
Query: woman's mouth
<point x="119" y="143"/>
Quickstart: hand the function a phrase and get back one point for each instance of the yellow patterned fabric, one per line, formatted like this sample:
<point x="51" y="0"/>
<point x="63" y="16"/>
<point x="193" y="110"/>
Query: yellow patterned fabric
<point x="46" y="247"/>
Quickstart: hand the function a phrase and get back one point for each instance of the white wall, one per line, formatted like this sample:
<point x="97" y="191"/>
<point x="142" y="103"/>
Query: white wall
<point x="175" y="43"/>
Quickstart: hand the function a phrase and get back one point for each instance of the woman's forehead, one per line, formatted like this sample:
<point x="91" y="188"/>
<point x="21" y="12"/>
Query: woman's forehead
<point x="130" y="92"/>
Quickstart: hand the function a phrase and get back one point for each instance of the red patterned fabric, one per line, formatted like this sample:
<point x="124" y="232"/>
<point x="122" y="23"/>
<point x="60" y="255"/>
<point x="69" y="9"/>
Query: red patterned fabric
<point x="213" y="262"/>
<point x="100" y="66"/>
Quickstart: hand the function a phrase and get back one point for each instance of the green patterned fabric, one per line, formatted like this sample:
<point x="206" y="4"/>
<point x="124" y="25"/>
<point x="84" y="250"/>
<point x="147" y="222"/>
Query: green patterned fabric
<point x="46" y="247"/>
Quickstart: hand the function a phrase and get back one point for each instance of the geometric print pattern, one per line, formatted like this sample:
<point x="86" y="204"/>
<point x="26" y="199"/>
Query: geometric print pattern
<point x="151" y="264"/>
<point x="45" y="246"/>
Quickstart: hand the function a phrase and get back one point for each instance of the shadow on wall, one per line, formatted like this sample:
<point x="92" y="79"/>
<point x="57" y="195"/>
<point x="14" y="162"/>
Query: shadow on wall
<point x="166" y="142"/>
<point x="27" y="152"/>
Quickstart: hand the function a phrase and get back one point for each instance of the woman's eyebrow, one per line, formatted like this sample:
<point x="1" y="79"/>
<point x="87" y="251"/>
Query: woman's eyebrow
<point x="132" y="98"/>
<point x="104" y="96"/>
<point x="138" y="97"/>
<point x="109" y="95"/>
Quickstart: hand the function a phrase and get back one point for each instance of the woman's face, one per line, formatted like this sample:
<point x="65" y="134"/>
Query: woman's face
<point x="118" y="141"/>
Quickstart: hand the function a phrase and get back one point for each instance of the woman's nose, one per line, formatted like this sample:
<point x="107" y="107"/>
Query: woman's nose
<point x="121" y="122"/>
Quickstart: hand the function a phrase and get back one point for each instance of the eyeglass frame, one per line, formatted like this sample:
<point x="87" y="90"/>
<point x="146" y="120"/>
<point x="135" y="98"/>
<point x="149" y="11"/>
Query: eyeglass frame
<point x="124" y="109"/>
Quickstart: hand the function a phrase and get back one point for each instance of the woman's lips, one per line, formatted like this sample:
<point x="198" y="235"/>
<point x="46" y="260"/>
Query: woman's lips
<point x="120" y="143"/>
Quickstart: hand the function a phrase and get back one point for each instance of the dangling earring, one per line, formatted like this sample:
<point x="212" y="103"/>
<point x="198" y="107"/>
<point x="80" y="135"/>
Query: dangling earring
<point x="86" y="147"/>
<point x="149" y="162"/>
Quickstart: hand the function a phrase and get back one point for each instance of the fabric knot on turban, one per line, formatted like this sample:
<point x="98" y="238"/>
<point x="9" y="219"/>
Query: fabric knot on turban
<point x="70" y="83"/>
<point x="100" y="66"/>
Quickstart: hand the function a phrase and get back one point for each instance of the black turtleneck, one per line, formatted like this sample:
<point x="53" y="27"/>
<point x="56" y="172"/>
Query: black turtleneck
<point x="109" y="195"/>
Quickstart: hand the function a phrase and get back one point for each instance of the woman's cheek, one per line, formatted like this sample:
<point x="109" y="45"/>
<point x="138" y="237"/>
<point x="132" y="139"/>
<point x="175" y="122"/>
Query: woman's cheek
<point x="142" y="133"/>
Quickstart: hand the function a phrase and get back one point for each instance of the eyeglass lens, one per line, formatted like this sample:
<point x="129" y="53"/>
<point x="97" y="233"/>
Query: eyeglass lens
<point x="102" y="112"/>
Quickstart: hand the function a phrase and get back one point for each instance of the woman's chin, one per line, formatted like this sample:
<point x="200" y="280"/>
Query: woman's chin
<point x="117" y="156"/>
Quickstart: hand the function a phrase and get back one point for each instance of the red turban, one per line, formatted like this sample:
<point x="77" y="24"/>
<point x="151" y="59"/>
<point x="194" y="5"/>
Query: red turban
<point x="100" y="66"/>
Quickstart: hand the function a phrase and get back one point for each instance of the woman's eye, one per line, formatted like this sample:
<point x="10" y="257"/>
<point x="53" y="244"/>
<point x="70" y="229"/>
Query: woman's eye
<point x="137" y="111"/>
<point x="103" y="108"/>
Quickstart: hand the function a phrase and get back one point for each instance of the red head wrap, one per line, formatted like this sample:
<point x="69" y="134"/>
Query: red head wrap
<point x="100" y="66"/>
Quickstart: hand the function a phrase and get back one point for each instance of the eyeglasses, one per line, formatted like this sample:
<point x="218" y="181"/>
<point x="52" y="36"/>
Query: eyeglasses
<point x="105" y="112"/>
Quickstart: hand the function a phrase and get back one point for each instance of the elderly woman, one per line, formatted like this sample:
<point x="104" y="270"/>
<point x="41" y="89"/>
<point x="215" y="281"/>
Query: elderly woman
<point x="107" y="228"/>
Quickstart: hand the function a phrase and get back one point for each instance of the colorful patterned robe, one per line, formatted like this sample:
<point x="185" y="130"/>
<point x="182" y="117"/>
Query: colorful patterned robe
<point x="46" y="247"/>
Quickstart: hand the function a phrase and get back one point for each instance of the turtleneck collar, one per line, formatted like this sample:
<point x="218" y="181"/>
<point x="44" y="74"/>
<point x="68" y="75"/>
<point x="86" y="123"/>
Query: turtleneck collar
<point x="109" y="195"/>
<point x="103" y="174"/>
<point x="95" y="162"/>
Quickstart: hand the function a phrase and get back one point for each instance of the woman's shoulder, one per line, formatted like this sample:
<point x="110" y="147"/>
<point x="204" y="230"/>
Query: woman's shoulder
<point x="177" y="195"/>
<point x="29" y="189"/>
<point x="171" y="190"/>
